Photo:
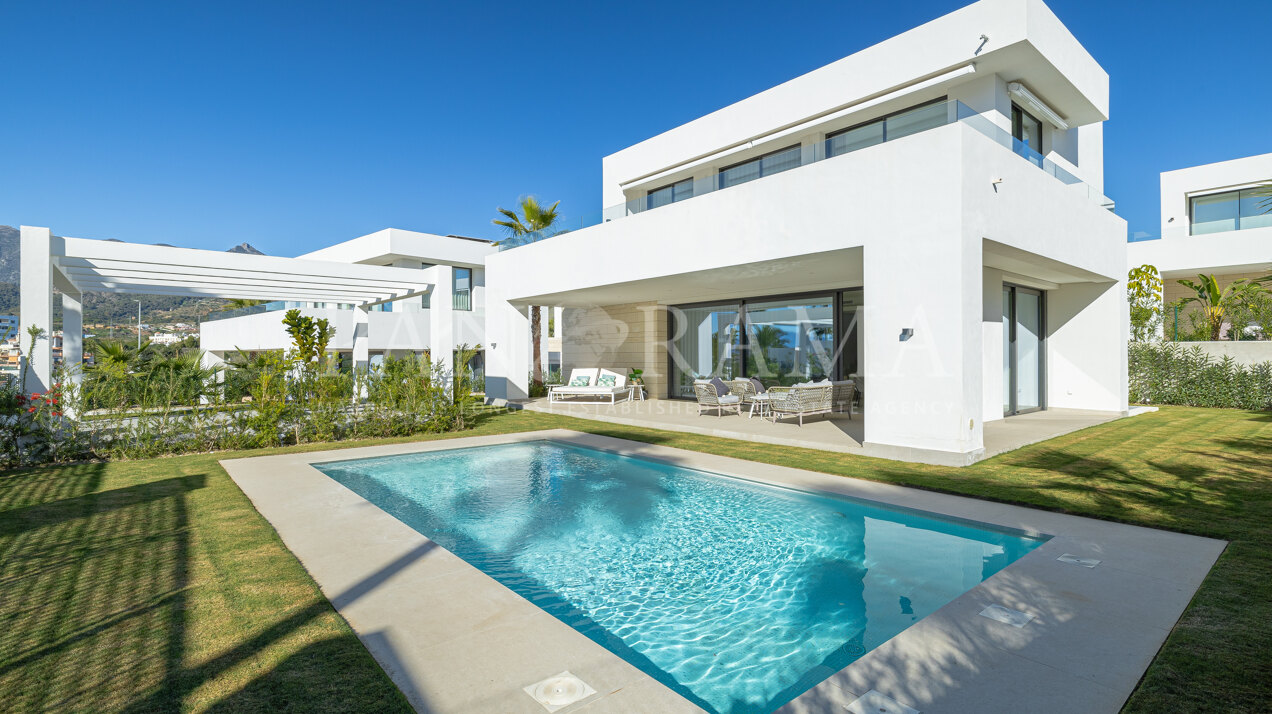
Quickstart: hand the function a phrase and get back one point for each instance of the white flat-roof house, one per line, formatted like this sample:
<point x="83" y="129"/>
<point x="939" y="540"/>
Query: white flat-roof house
<point x="451" y="313"/>
<point x="925" y="215"/>
<point x="1215" y="219"/>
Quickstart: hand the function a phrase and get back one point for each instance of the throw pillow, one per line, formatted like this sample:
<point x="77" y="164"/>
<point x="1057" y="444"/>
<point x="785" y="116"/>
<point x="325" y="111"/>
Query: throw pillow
<point x="580" y="381"/>
<point x="607" y="380"/>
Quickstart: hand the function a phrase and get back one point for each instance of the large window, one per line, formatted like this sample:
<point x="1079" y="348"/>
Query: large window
<point x="1231" y="211"/>
<point x="677" y="191"/>
<point x="766" y="165"/>
<point x="903" y="123"/>
<point x="706" y="342"/>
<point x="463" y="289"/>
<point x="778" y="341"/>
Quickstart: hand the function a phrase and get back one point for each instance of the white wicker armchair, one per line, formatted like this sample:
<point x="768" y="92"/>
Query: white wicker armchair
<point x="799" y="401"/>
<point x="842" y="396"/>
<point x="744" y="389"/>
<point x="708" y="399"/>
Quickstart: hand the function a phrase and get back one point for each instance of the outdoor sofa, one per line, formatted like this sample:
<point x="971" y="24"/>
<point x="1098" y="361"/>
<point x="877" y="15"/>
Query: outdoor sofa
<point x="591" y="382"/>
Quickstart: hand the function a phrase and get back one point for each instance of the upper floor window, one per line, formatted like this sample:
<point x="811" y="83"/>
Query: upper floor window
<point x="903" y="123"/>
<point x="1026" y="128"/>
<point x="771" y="163"/>
<point x="677" y="191"/>
<point x="463" y="285"/>
<point x="1230" y="211"/>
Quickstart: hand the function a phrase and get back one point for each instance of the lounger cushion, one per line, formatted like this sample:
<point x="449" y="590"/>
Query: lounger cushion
<point x="730" y="399"/>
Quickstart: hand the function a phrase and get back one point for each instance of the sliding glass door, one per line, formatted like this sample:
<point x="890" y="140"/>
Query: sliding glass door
<point x="779" y="341"/>
<point x="706" y="341"/>
<point x="790" y="341"/>
<point x="1024" y="373"/>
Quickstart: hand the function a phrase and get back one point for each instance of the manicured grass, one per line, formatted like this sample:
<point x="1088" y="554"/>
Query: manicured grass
<point x="154" y="585"/>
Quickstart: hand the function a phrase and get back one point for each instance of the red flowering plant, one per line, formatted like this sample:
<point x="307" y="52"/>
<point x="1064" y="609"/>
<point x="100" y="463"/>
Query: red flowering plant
<point x="34" y="426"/>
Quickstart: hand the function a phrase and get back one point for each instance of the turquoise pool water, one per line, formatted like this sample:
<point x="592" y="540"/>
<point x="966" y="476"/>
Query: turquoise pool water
<point x="739" y="596"/>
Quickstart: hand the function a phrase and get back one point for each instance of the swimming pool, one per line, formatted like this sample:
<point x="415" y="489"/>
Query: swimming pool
<point x="739" y="596"/>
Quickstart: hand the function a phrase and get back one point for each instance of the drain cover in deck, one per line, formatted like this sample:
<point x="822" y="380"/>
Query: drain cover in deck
<point x="1006" y="615"/>
<point x="1084" y="562"/>
<point x="559" y="691"/>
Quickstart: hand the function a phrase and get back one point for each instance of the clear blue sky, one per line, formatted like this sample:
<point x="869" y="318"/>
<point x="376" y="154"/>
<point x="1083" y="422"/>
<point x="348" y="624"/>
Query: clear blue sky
<point x="296" y="125"/>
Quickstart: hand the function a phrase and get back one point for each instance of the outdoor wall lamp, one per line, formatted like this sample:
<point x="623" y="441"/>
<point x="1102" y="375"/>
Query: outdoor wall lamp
<point x="906" y="333"/>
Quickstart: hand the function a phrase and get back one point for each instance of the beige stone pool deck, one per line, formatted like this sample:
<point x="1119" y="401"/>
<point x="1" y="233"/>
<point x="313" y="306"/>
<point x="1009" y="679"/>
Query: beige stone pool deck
<point x="455" y="640"/>
<point x="834" y="432"/>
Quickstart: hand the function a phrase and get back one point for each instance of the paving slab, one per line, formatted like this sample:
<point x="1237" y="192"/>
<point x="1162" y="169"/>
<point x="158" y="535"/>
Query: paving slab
<point x="455" y="640"/>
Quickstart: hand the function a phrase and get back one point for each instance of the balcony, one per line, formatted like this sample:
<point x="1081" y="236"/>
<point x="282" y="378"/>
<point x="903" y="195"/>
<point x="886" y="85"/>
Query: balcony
<point x="916" y="121"/>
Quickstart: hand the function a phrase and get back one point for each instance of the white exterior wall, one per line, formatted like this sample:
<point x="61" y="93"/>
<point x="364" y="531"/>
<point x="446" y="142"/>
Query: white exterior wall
<point x="264" y="331"/>
<point x="930" y="224"/>
<point x="410" y="327"/>
<point x="1178" y="254"/>
<point x="1026" y="43"/>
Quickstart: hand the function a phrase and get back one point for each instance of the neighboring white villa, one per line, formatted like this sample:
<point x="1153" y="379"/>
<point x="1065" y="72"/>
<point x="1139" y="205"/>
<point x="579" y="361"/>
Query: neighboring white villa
<point x="925" y="215"/>
<point x="1215" y="220"/>
<point x="450" y="314"/>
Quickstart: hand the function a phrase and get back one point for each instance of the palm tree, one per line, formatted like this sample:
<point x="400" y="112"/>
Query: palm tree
<point x="118" y="353"/>
<point x="1215" y="304"/>
<point x="534" y="223"/>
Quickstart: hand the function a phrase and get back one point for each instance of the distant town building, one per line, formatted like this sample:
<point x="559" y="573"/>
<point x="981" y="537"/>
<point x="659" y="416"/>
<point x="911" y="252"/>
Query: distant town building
<point x="166" y="338"/>
<point x="9" y="326"/>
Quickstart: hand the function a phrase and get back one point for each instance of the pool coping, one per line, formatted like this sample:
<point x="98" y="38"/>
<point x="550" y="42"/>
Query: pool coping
<point x="454" y="639"/>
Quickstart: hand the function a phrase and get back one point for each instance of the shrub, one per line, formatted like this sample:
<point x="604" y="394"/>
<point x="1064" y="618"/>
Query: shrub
<point x="1166" y="373"/>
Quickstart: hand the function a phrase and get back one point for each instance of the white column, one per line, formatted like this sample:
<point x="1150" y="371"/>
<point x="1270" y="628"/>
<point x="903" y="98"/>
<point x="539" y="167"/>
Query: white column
<point x="992" y="339"/>
<point x="37" y="306"/>
<point x="507" y="346"/>
<point x="73" y="335"/>
<point x="441" y="327"/>
<point x="361" y="343"/>
<point x="924" y="394"/>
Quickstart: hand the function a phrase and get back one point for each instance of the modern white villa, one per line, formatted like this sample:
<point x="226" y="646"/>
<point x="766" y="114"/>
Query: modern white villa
<point x="924" y="217"/>
<point x="448" y="315"/>
<point x="1214" y="220"/>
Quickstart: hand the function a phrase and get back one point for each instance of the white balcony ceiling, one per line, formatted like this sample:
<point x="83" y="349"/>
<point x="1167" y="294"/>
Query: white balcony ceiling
<point x="114" y="267"/>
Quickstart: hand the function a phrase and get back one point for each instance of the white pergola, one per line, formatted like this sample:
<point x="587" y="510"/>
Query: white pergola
<point x="74" y="266"/>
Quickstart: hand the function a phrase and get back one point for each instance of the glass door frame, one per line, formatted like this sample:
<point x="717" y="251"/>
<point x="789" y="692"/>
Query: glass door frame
<point x="835" y="294"/>
<point x="1010" y="404"/>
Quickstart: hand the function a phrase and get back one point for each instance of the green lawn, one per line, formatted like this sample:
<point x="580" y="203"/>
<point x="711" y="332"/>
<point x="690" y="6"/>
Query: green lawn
<point x="154" y="585"/>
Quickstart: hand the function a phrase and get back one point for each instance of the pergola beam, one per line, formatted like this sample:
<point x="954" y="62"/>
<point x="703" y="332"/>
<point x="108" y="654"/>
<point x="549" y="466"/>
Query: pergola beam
<point x="85" y="266"/>
<point x="178" y="260"/>
<point x="225" y="293"/>
<point x="238" y="283"/>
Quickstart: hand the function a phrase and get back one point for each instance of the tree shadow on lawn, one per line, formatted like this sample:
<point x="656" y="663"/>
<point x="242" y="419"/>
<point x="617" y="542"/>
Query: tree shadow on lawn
<point x="94" y="597"/>
<point x="96" y="603"/>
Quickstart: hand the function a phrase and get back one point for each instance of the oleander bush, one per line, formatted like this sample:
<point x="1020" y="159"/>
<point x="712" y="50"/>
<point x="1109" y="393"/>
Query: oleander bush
<point x="1168" y="373"/>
